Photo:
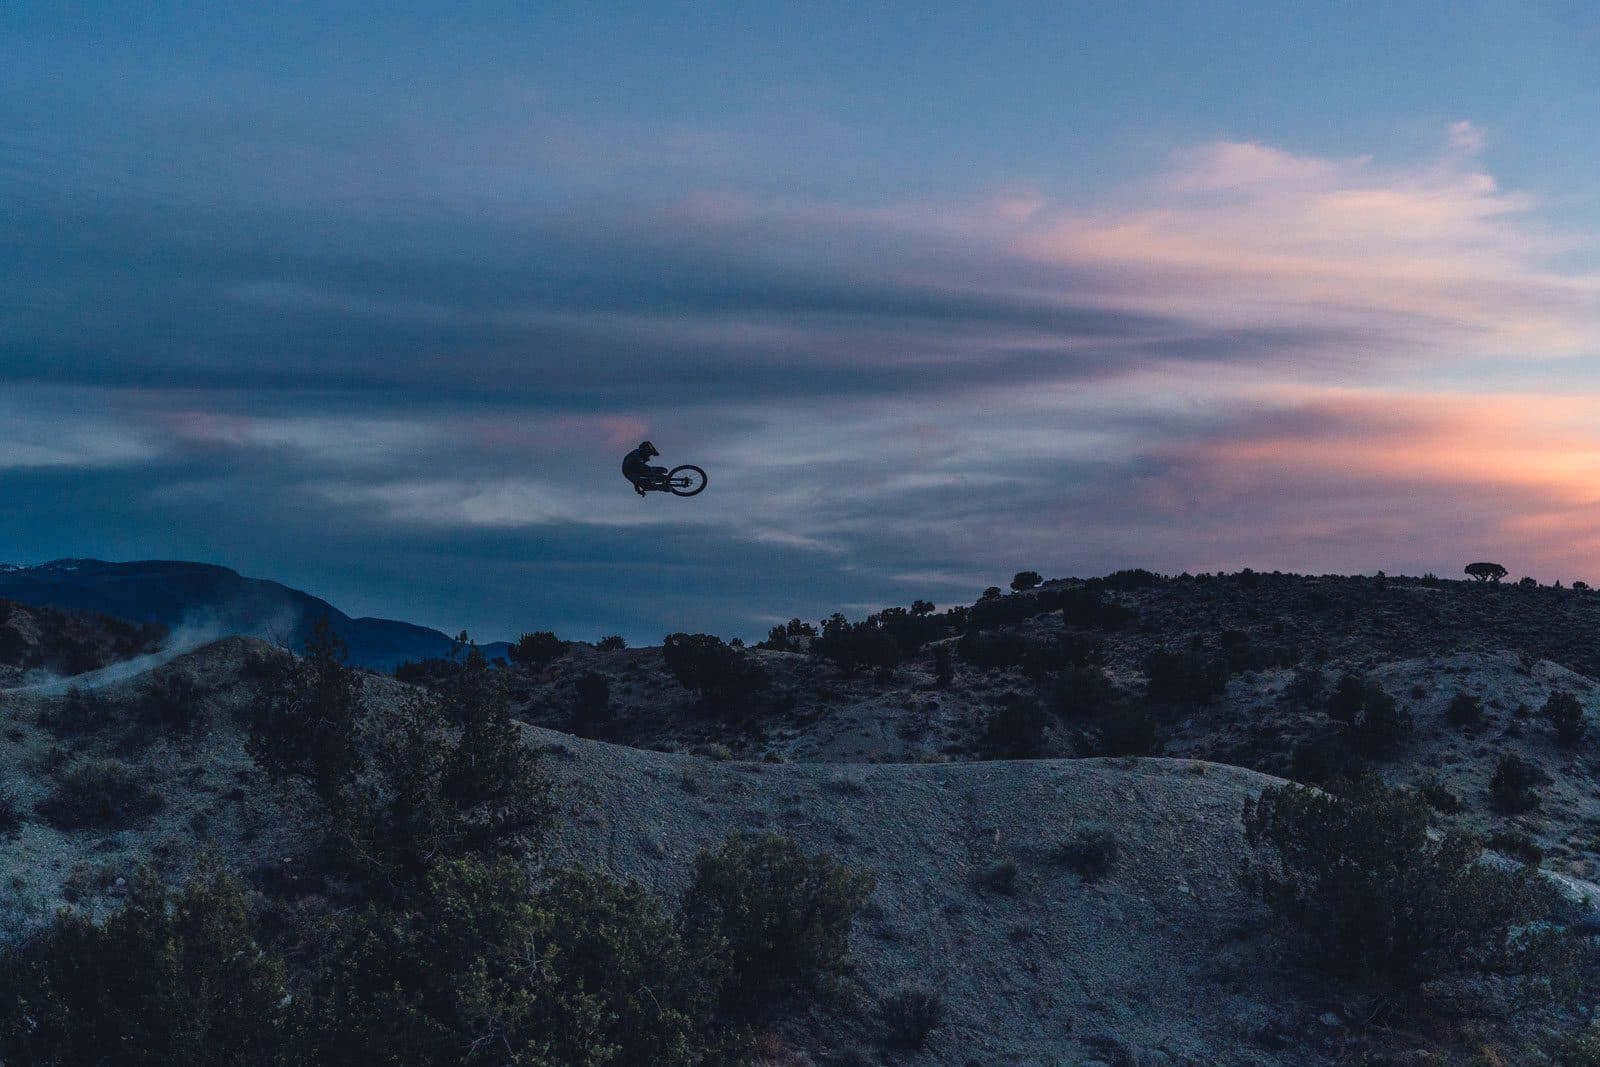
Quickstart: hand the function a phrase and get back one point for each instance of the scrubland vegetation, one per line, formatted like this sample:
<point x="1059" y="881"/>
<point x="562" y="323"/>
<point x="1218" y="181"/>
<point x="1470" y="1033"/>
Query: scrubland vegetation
<point x="1435" y="737"/>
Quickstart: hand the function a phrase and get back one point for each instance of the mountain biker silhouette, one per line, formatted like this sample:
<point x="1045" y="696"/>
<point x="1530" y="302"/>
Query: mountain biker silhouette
<point x="636" y="467"/>
<point x="683" y="480"/>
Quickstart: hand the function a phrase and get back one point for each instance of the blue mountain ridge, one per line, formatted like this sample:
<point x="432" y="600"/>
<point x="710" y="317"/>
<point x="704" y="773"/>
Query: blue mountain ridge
<point x="215" y="601"/>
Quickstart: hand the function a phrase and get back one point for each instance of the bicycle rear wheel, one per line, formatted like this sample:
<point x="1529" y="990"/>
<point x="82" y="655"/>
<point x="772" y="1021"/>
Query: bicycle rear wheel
<point x="686" y="480"/>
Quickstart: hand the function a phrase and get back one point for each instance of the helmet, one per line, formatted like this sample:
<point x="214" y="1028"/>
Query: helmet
<point x="648" y="449"/>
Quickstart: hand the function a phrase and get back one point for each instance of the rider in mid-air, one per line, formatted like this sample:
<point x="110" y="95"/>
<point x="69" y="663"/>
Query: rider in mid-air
<point x="636" y="467"/>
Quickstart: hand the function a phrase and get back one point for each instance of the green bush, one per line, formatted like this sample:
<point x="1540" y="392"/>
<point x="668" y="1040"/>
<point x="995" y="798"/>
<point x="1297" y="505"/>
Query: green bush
<point x="1015" y="728"/>
<point x="155" y="985"/>
<point x="773" y="921"/>
<point x="911" y="1014"/>
<point x="1513" y="789"/>
<point x="1376" y="899"/>
<point x="1565" y="714"/>
<point x="101" y="794"/>
<point x="537" y="650"/>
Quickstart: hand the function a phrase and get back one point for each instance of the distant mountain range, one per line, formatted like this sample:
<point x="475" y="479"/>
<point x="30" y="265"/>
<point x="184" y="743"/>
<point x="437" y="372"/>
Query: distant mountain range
<point x="200" y="601"/>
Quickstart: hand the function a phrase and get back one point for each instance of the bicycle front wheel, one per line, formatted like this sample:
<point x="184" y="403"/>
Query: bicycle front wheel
<point x="686" y="480"/>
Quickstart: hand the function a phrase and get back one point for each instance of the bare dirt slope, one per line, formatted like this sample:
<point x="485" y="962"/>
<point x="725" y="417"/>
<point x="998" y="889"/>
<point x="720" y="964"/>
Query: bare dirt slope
<point x="1164" y="961"/>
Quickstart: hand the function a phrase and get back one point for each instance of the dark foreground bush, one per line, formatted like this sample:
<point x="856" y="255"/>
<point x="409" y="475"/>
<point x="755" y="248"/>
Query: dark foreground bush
<point x="1376" y="900"/>
<point x="776" y="921"/>
<point x="156" y="985"/>
<point x="101" y="794"/>
<point x="911" y="1014"/>
<point x="481" y="965"/>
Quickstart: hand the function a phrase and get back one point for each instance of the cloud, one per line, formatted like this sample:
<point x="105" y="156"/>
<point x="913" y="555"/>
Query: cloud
<point x="1219" y="365"/>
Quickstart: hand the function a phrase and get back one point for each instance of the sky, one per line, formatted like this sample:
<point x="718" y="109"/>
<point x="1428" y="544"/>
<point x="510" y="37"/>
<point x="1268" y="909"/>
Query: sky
<point x="371" y="300"/>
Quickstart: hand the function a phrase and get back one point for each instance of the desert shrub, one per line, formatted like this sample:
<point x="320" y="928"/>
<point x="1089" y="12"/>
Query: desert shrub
<point x="1000" y="876"/>
<point x="102" y="794"/>
<point x="156" y="984"/>
<point x="307" y="724"/>
<point x="1565" y="714"/>
<point x="1015" y="728"/>
<point x="1580" y="1049"/>
<point x="427" y="672"/>
<point x="1374" y="897"/>
<point x="786" y="637"/>
<point x="447" y="774"/>
<point x="582" y="972"/>
<point x="1323" y="757"/>
<point x="1516" y="843"/>
<point x="173" y="699"/>
<point x="911" y="1014"/>
<point x="537" y="650"/>
<point x="1092" y="853"/>
<point x="1025" y="580"/>
<point x="1087" y="607"/>
<point x="1305" y="688"/>
<point x="10" y="814"/>
<point x="1375" y="723"/>
<point x="1082" y="692"/>
<point x="719" y="674"/>
<point x="855" y="646"/>
<point x="591" y="702"/>
<point x="1438" y="797"/>
<point x="1465" y="710"/>
<point x="992" y="650"/>
<point x="612" y="643"/>
<point x="1128" y="581"/>
<point x="1128" y="728"/>
<point x="1184" y="677"/>
<point x="773" y="920"/>
<point x="992" y="592"/>
<point x="944" y="668"/>
<point x="1513" y="789"/>
<point x="77" y="711"/>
